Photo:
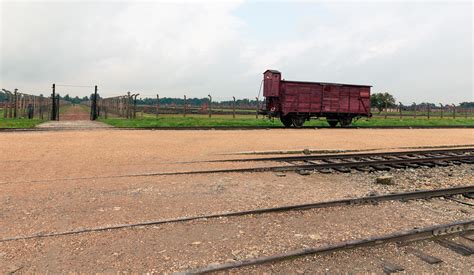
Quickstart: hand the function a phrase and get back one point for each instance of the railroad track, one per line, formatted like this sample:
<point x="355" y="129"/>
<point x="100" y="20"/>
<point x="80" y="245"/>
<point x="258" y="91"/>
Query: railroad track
<point x="365" y="162"/>
<point x="403" y="196"/>
<point x="439" y="232"/>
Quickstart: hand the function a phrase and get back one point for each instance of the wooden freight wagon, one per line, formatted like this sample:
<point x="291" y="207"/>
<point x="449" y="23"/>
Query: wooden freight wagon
<point x="294" y="102"/>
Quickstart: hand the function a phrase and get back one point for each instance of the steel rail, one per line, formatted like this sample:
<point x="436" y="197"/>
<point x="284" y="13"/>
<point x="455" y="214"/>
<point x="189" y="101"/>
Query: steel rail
<point x="348" y="164"/>
<point x="441" y="230"/>
<point x="352" y="155"/>
<point x="405" y="196"/>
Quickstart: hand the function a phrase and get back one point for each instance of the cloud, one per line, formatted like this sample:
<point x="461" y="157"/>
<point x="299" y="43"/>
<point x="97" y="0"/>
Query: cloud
<point x="418" y="52"/>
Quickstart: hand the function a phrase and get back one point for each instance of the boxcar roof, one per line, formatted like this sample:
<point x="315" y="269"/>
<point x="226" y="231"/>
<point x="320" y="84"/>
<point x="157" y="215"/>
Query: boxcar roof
<point x="325" y="83"/>
<point x="273" y="71"/>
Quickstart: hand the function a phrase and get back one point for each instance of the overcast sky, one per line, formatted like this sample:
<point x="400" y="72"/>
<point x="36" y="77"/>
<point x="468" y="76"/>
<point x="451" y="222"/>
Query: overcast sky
<point x="416" y="51"/>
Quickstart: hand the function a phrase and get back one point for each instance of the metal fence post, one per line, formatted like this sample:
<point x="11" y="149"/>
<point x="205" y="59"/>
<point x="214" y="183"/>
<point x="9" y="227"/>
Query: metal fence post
<point x="414" y="109"/>
<point x="429" y="109"/>
<point x="441" y="105"/>
<point x="386" y="110"/>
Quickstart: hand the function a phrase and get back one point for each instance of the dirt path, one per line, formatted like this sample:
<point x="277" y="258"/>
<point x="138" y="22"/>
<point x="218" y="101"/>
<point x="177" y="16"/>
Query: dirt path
<point x="75" y="112"/>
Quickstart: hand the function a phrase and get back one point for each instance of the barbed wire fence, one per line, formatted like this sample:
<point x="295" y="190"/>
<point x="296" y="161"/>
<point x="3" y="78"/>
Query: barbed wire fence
<point x="22" y="105"/>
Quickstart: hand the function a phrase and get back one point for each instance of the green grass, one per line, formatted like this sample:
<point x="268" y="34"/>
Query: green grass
<point x="22" y="123"/>
<point x="149" y="121"/>
<point x="411" y="122"/>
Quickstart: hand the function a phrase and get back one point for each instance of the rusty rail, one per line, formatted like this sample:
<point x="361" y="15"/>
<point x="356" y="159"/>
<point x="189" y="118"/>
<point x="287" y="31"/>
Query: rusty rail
<point x="405" y="196"/>
<point x="406" y="235"/>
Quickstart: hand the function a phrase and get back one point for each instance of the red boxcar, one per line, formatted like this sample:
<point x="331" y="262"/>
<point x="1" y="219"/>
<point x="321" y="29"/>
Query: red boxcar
<point x="294" y="102"/>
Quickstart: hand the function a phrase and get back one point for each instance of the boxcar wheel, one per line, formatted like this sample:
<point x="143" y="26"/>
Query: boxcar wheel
<point x="286" y="120"/>
<point x="345" y="122"/>
<point x="298" y="121"/>
<point x="332" y="122"/>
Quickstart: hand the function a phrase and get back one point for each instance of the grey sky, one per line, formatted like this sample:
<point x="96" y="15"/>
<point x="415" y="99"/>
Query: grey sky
<point x="417" y="51"/>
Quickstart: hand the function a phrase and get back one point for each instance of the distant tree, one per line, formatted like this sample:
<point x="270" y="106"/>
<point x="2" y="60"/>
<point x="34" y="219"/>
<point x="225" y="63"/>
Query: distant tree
<point x="466" y="104"/>
<point x="378" y="100"/>
<point x="86" y="98"/>
<point x="3" y="97"/>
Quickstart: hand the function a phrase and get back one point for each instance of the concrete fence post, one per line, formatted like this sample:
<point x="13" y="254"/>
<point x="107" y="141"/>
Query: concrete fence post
<point x="210" y="105"/>
<point x="256" y="112"/>
<point x="157" y="104"/>
<point x="184" y="109"/>
<point x="400" y="110"/>
<point x="233" y="107"/>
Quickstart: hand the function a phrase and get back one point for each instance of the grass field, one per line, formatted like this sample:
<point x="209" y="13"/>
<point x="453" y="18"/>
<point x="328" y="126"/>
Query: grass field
<point x="250" y="121"/>
<point x="11" y="123"/>
<point x="17" y="123"/>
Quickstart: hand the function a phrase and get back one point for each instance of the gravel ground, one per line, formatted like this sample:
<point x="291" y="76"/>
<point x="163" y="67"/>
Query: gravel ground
<point x="52" y="206"/>
<point x="373" y="259"/>
<point x="47" y="155"/>
<point x="44" y="205"/>
<point x="182" y="246"/>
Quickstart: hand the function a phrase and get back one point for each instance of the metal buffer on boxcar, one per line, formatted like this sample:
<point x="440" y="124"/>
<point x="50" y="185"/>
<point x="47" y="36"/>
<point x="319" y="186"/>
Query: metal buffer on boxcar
<point x="294" y="102"/>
